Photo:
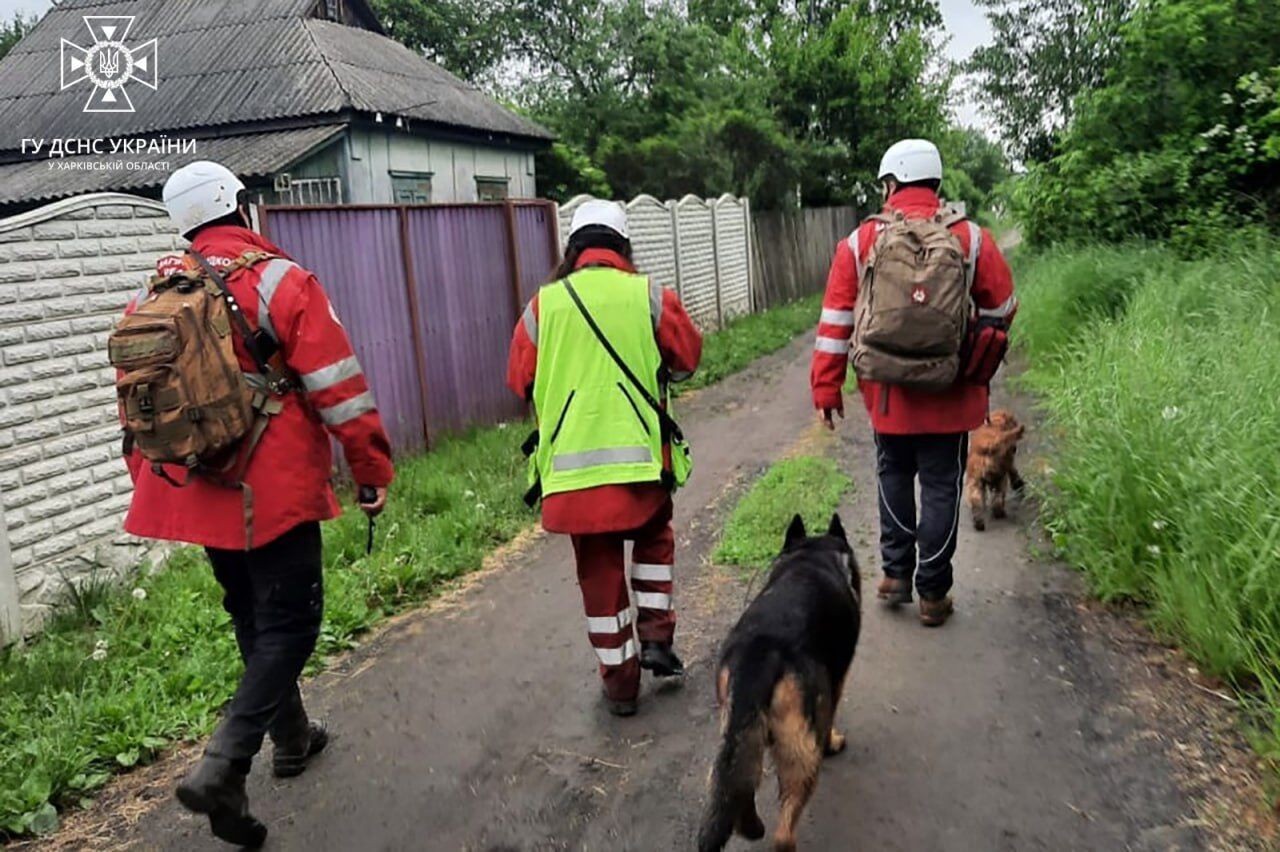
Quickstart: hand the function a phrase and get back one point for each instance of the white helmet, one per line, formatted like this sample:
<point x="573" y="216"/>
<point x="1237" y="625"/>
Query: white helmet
<point x="200" y="193"/>
<point x="912" y="160"/>
<point x="606" y="214"/>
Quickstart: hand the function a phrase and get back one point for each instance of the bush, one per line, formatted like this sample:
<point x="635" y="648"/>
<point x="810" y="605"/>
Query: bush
<point x="1165" y="410"/>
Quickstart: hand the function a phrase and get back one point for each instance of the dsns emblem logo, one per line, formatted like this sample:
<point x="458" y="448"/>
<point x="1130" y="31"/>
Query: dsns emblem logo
<point x="109" y="64"/>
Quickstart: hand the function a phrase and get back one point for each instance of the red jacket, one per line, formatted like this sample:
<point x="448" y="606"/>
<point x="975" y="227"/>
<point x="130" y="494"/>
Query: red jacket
<point x="962" y="408"/>
<point x="608" y="508"/>
<point x="288" y="478"/>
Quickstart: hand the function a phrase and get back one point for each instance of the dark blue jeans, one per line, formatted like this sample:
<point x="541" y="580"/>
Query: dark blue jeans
<point x="920" y="545"/>
<point x="275" y="596"/>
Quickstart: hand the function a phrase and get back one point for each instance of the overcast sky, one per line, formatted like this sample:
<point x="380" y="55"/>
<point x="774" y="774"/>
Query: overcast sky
<point x="965" y="22"/>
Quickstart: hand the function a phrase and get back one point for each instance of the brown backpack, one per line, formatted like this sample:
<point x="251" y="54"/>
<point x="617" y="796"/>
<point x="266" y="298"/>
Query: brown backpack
<point x="184" y="398"/>
<point x="914" y="304"/>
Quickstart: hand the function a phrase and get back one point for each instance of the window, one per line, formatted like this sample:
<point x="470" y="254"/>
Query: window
<point x="492" y="188"/>
<point x="411" y="187"/>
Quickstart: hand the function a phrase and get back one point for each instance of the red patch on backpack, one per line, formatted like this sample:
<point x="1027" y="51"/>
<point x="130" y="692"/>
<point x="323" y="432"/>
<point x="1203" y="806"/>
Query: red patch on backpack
<point x="920" y="295"/>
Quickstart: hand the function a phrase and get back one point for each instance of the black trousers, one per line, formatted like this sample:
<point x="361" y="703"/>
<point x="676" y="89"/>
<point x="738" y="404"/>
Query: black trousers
<point x="275" y="596"/>
<point x="920" y="544"/>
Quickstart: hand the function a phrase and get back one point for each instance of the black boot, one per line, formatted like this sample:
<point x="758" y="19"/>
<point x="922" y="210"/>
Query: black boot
<point x="292" y="754"/>
<point x="215" y="788"/>
<point x="660" y="659"/>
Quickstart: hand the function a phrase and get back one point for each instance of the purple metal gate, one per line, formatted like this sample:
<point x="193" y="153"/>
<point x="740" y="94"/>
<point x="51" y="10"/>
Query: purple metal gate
<point x="429" y="295"/>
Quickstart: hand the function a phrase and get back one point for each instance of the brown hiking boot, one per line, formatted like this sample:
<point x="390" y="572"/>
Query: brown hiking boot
<point x="935" y="613"/>
<point x="893" y="591"/>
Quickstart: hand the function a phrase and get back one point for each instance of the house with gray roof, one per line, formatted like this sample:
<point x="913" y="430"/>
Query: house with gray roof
<point x="308" y="100"/>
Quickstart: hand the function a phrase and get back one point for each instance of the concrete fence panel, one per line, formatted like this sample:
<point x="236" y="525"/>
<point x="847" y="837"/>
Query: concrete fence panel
<point x="66" y="272"/>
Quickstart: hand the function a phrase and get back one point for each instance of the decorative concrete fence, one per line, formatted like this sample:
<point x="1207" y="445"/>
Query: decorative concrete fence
<point x="66" y="272"/>
<point x="702" y="248"/>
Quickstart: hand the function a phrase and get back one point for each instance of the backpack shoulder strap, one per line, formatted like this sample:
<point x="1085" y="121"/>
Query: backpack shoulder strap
<point x="260" y="346"/>
<point x="975" y="248"/>
<point x="669" y="425"/>
<point x="881" y="220"/>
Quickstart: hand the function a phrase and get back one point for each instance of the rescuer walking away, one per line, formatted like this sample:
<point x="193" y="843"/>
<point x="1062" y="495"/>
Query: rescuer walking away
<point x="595" y="352"/>
<point x="233" y="373"/>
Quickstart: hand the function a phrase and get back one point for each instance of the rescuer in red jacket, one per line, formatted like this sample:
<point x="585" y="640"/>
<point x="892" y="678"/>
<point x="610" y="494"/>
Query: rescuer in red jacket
<point x="264" y="539"/>
<point x="601" y="519"/>
<point x="918" y="434"/>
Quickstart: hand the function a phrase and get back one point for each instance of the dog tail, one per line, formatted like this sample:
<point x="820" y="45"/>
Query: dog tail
<point x="736" y="774"/>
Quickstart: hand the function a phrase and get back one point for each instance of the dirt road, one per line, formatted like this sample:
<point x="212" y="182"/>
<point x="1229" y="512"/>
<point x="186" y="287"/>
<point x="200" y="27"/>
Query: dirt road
<point x="478" y="726"/>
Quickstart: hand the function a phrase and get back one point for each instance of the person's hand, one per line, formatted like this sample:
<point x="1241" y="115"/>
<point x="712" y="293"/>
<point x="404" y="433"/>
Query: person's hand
<point x="373" y="507"/>
<point x="827" y="417"/>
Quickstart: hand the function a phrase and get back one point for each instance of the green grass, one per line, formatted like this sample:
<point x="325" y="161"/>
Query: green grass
<point x="747" y="338"/>
<point x="69" y="721"/>
<point x="809" y="485"/>
<point x="1160" y="379"/>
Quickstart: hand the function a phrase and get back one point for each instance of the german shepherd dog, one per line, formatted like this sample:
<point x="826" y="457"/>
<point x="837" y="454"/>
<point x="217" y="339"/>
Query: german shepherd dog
<point x="778" y="683"/>
<point x="991" y="468"/>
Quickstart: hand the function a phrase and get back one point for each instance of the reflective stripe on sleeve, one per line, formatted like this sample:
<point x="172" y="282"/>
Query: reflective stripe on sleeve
<point x="1001" y="312"/>
<point x="327" y="377"/>
<point x="531" y="323"/>
<point x="651" y="573"/>
<point x="837" y="317"/>
<point x="268" y="281"/>
<point x="344" y="412"/>
<point x="832" y="346"/>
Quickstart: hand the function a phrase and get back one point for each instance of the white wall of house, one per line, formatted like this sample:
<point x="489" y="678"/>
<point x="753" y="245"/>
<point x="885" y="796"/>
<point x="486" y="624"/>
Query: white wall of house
<point x="374" y="158"/>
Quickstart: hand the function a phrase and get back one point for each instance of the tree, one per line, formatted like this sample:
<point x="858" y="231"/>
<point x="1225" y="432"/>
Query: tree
<point x="1045" y="53"/>
<point x="468" y="37"/>
<point x="13" y="30"/>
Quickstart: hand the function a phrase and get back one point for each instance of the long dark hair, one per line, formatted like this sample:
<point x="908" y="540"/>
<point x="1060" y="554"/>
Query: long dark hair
<point x="592" y="236"/>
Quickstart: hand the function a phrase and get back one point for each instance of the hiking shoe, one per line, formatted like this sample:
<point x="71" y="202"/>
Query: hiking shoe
<point x="215" y="788"/>
<point x="660" y="659"/>
<point x="935" y="613"/>
<point x="290" y="760"/>
<point x="894" y="591"/>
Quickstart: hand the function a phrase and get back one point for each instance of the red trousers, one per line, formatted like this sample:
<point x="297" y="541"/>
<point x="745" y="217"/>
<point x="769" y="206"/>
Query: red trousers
<point x="602" y="575"/>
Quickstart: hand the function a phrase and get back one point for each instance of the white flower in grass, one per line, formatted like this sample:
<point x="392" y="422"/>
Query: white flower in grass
<point x="1158" y="526"/>
<point x="139" y="594"/>
<point x="1153" y="549"/>
<point x="99" y="654"/>
<point x="480" y="507"/>
<point x="503" y="425"/>
<point x="469" y="494"/>
<point x="1171" y="412"/>
<point x="101" y="645"/>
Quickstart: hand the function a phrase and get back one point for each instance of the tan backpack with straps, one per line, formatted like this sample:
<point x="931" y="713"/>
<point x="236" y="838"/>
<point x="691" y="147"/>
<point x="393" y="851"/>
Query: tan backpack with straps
<point x="914" y="304"/>
<point x="184" y="398"/>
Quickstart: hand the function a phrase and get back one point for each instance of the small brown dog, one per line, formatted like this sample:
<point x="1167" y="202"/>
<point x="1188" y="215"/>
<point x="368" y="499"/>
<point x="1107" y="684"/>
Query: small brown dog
<point x="992" y="448"/>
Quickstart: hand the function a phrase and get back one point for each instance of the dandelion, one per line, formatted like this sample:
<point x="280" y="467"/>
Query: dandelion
<point x="1158" y="526"/>
<point x="1171" y="412"/>
<point x="99" y="654"/>
<point x="139" y="594"/>
<point x="1153" y="549"/>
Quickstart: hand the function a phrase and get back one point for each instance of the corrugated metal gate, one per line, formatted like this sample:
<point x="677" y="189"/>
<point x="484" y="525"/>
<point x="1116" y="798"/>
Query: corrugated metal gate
<point x="429" y="295"/>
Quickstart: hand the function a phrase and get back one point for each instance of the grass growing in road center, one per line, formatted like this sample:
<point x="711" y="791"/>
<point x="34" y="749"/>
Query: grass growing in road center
<point x="125" y="672"/>
<point x="809" y="485"/>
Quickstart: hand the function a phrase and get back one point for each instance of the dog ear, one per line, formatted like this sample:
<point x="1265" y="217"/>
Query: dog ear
<point x="796" y="532"/>
<point x="836" y="529"/>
